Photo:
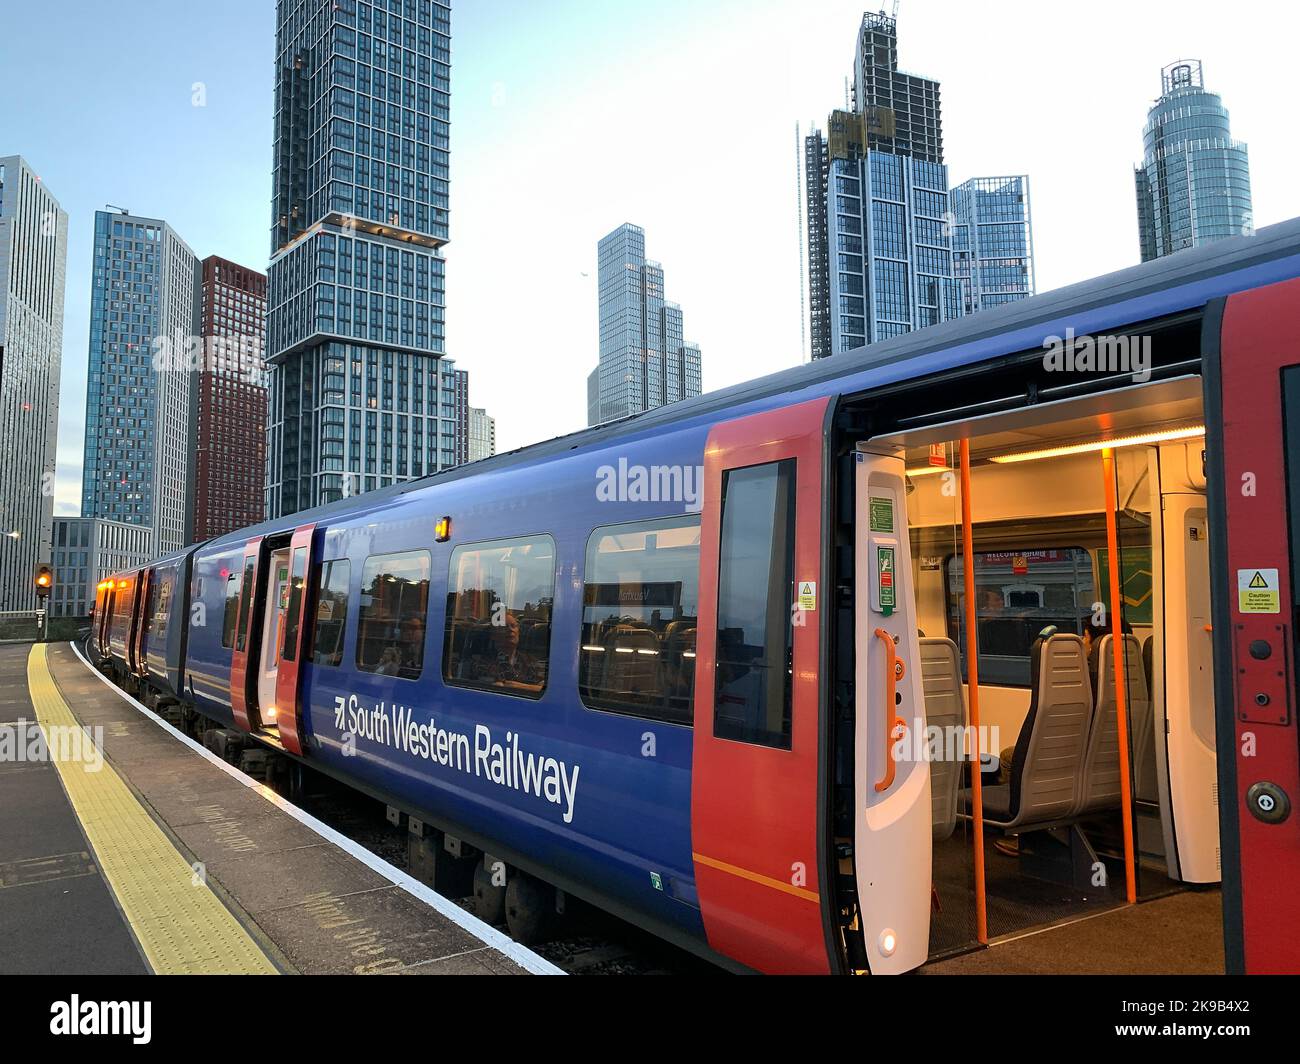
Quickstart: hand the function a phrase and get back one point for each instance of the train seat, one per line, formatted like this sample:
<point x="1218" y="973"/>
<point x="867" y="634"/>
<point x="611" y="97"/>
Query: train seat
<point x="1101" y="776"/>
<point x="1047" y="768"/>
<point x="631" y="668"/>
<point x="944" y="708"/>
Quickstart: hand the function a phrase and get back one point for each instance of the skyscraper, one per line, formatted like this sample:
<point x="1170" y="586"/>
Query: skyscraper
<point x="644" y="362"/>
<point x="482" y="434"/>
<point x="144" y="350"/>
<point x="33" y="257"/>
<point x="1193" y="186"/>
<point x="992" y="241"/>
<point x="361" y="393"/>
<point x="879" y="219"/>
<point x="230" y="409"/>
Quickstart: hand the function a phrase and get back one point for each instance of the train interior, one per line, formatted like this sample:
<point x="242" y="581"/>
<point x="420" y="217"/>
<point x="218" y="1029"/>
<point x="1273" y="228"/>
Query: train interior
<point x="1049" y="709"/>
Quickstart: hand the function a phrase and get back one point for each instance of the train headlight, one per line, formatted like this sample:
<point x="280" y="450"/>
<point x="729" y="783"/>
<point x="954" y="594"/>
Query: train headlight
<point x="888" y="942"/>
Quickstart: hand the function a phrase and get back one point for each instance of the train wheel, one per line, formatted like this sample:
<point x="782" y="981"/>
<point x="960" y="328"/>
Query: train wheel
<point x="529" y="906"/>
<point x="490" y="892"/>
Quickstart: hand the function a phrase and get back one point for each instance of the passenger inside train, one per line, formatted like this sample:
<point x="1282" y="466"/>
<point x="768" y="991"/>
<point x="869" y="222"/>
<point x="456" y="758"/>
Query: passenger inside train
<point x="1042" y="481"/>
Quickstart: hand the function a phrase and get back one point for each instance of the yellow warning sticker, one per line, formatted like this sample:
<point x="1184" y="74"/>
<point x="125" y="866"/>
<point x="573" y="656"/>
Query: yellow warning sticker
<point x="807" y="595"/>
<point x="1258" y="591"/>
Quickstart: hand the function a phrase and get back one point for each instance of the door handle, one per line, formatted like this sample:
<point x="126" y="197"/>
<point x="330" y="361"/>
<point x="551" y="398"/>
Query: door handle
<point x="894" y="671"/>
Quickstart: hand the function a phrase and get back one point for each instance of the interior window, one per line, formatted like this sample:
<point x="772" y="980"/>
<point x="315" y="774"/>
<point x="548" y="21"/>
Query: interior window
<point x="331" y="612"/>
<point x="393" y="615"/>
<point x="640" y="606"/>
<point x="499" y="600"/>
<point x="293" y="614"/>
<point x="231" y="615"/>
<point x="1017" y="595"/>
<point x="245" y="597"/>
<point x="755" y="593"/>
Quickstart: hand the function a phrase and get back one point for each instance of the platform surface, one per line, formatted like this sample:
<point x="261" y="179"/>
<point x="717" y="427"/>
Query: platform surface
<point x="158" y="857"/>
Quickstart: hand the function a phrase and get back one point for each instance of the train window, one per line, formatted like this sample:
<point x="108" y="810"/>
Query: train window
<point x="331" y="612"/>
<point x="640" y="606"/>
<point x="163" y="608"/>
<point x="394" y="610"/>
<point x="755" y="592"/>
<point x="293" y="613"/>
<point x="231" y="615"/>
<point x="499" y="599"/>
<point x="1017" y="595"/>
<point x="245" y="601"/>
<point x="151" y="606"/>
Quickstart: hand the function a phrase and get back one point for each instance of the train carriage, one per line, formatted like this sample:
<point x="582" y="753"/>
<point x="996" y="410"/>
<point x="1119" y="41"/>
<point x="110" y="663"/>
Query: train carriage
<point x="818" y="673"/>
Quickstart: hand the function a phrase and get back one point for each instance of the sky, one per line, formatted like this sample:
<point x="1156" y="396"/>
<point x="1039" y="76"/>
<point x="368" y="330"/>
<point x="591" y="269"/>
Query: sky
<point x="570" y="117"/>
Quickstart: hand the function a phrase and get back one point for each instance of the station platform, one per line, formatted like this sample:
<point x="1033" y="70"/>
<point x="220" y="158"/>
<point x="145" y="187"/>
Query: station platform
<point x="127" y="848"/>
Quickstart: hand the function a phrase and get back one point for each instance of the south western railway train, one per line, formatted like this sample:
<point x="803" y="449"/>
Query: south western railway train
<point x="677" y="665"/>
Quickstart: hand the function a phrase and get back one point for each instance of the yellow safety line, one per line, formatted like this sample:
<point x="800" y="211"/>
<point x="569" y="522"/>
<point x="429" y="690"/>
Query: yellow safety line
<point x="756" y="877"/>
<point x="181" y="925"/>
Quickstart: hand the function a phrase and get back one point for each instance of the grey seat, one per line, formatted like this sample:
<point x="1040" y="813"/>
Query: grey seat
<point x="1047" y="769"/>
<point x="945" y="708"/>
<point x="1101" y="776"/>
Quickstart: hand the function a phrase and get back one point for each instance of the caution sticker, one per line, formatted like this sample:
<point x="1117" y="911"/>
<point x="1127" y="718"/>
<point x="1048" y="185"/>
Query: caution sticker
<point x="1258" y="591"/>
<point x="807" y="595"/>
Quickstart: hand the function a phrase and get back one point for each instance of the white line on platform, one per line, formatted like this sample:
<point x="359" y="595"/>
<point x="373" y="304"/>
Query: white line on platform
<point x="521" y="955"/>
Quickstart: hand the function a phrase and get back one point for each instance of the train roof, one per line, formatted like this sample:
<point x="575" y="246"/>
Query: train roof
<point x="1153" y="290"/>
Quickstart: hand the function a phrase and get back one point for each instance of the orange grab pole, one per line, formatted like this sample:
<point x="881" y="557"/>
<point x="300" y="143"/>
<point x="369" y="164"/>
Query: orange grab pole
<point x="973" y="682"/>
<point x="893" y="722"/>
<point x="1121" y="673"/>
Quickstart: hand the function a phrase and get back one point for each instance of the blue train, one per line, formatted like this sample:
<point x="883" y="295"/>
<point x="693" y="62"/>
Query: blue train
<point x="646" y="664"/>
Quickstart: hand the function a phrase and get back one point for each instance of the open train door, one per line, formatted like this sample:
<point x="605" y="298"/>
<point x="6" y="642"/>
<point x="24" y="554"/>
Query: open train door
<point x="892" y="846"/>
<point x="758" y="811"/>
<point x="1252" y="386"/>
<point x="243" y="690"/>
<point x="293" y="645"/>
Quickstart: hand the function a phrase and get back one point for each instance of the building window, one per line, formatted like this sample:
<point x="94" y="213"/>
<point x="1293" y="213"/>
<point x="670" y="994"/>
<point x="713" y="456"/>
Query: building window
<point x="331" y="612"/>
<point x="499" y="600"/>
<point x="640" y="606"/>
<point x="752" y="691"/>
<point x="393" y="616"/>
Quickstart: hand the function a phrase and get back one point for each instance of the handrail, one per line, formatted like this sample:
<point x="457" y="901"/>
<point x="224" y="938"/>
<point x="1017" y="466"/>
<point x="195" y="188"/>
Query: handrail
<point x="894" y="671"/>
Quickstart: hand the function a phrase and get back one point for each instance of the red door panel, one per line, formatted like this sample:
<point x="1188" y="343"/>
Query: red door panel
<point x="1260" y="338"/>
<point x="288" y="680"/>
<point x="243" y="697"/>
<point x="754" y="808"/>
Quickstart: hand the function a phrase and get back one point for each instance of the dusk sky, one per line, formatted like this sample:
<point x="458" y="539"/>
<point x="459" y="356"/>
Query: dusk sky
<point x="570" y="117"/>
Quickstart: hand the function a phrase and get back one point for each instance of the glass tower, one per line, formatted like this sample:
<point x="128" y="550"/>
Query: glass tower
<point x="1193" y="186"/>
<point x="144" y="350"/>
<point x="992" y="241"/>
<point x="644" y="362"/>
<point x="879" y="234"/>
<point x="33" y="260"/>
<point x="361" y="394"/>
